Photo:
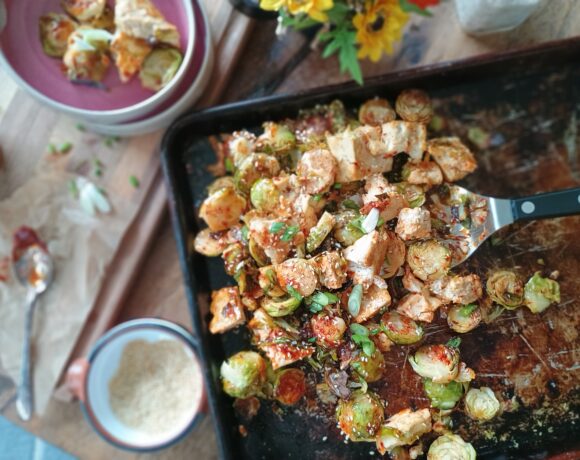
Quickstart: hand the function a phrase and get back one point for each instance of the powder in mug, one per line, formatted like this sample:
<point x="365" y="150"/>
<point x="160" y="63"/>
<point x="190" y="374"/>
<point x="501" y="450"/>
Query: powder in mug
<point x="156" y="387"/>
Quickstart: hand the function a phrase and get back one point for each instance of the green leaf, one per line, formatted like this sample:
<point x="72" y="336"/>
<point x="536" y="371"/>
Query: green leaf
<point x="350" y="204"/>
<point x="342" y="39"/>
<point x="368" y="347"/>
<point x="359" y="329"/>
<point x="298" y="22"/>
<point x="409" y="7"/>
<point x="355" y="299"/>
<point x="338" y="13"/>
<point x="454" y="342"/>
<point x="293" y="292"/>
<point x="290" y="232"/>
<point x="277" y="227"/>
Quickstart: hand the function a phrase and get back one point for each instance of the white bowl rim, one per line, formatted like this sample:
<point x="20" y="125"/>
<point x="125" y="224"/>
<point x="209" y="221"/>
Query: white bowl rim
<point x="126" y="112"/>
<point x="156" y="122"/>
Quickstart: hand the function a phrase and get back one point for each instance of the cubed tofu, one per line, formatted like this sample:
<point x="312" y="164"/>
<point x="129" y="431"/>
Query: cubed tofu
<point x="358" y="154"/>
<point x="227" y="310"/>
<point x="457" y="289"/>
<point x="413" y="224"/>
<point x="374" y="300"/>
<point x="423" y="173"/>
<point x="366" y="256"/>
<point x="273" y="246"/>
<point x="317" y="171"/>
<point x="222" y="209"/>
<point x="453" y="157"/>
<point x="280" y="347"/>
<point x="405" y="136"/>
<point x="419" y="306"/>
<point x="331" y="269"/>
<point x="376" y="185"/>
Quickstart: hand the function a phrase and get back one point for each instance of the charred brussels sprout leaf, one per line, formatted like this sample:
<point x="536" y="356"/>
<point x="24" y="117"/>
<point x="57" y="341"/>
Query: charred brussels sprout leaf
<point x="540" y="292"/>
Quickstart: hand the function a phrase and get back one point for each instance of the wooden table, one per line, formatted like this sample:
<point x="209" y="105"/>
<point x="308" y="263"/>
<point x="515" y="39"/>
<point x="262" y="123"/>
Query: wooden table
<point x="287" y="66"/>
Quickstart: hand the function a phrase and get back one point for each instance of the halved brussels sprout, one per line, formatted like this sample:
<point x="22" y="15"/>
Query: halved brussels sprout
<point x="375" y="112"/>
<point x="328" y="329"/>
<point x="86" y="56"/>
<point x="370" y="368"/>
<point x="540" y="292"/>
<point x="280" y="306"/>
<point x="505" y="288"/>
<point x="159" y="68"/>
<point x="439" y="363"/>
<point x="243" y="374"/>
<point x="241" y="146"/>
<point x="55" y="29"/>
<point x="289" y="386"/>
<point x="344" y="232"/>
<point x="264" y="195"/>
<point x="84" y="10"/>
<point x="414" y="105"/>
<point x="464" y="318"/>
<point x="219" y="183"/>
<point x="429" y="260"/>
<point x="443" y="395"/>
<point x="481" y="404"/>
<point x="414" y="194"/>
<point x="401" y="329"/>
<point x="360" y="417"/>
<point x="254" y="167"/>
<point x="276" y="138"/>
<point x="268" y="282"/>
<point x="222" y="209"/>
<point x="234" y="256"/>
<point x="451" y="447"/>
<point x="318" y="233"/>
<point x="258" y="253"/>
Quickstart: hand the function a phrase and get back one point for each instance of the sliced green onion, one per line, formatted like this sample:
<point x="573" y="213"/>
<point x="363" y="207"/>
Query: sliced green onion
<point x="355" y="299"/>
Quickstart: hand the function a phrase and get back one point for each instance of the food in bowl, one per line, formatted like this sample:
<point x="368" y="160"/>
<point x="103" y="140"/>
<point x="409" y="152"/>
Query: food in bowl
<point x="135" y="36"/>
<point x="328" y="223"/>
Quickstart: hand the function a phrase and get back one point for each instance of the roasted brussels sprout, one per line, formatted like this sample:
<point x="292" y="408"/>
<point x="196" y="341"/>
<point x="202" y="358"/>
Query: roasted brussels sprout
<point x="439" y="363"/>
<point x="298" y="274"/>
<point x="289" y="386"/>
<point x="241" y="146"/>
<point x="55" y="29"/>
<point x="344" y="230"/>
<point x="403" y="428"/>
<point x="481" y="404"/>
<point x="233" y="256"/>
<point x="505" y="288"/>
<point x="219" y="183"/>
<point x="257" y="253"/>
<point x="360" y="416"/>
<point x="280" y="306"/>
<point x="429" y="260"/>
<point x="222" y="209"/>
<point x="370" y="368"/>
<point x="443" y="395"/>
<point x="328" y="329"/>
<point x="84" y="10"/>
<point x="320" y="232"/>
<point x="276" y="138"/>
<point x="159" y="68"/>
<point x="268" y="282"/>
<point x="401" y="329"/>
<point x="414" y="194"/>
<point x="264" y="195"/>
<point x="254" y="167"/>
<point x="243" y="374"/>
<point x="464" y="318"/>
<point x="375" y="112"/>
<point x="85" y="58"/>
<point x="540" y="292"/>
<point x="414" y="105"/>
<point x="451" y="447"/>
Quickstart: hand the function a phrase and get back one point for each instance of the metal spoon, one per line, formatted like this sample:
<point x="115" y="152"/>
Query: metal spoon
<point x="34" y="270"/>
<point x="469" y="219"/>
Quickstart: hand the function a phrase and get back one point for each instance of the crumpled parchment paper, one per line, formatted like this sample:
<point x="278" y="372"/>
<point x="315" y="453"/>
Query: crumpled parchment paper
<point x="81" y="246"/>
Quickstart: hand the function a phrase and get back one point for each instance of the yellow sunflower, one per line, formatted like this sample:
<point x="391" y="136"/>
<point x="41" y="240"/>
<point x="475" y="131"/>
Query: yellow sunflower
<point x="313" y="8"/>
<point x="378" y="27"/>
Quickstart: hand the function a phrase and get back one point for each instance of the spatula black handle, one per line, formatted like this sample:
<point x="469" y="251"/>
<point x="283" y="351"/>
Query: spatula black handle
<point x="545" y="205"/>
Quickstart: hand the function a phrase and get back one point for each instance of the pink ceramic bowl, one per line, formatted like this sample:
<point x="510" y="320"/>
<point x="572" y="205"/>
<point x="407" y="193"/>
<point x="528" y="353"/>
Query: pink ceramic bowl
<point x="22" y="57"/>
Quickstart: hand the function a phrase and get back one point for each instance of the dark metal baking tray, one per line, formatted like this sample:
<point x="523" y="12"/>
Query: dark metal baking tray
<point x="521" y="111"/>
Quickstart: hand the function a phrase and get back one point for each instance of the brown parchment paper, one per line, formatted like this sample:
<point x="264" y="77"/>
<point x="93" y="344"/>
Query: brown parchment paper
<point x="82" y="246"/>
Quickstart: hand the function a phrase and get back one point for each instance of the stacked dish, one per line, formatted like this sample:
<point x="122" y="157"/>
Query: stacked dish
<point x="111" y="107"/>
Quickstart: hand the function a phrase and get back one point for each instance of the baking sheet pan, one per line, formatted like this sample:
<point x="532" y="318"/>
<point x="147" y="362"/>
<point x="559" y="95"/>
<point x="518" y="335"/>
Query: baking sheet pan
<point x="521" y="114"/>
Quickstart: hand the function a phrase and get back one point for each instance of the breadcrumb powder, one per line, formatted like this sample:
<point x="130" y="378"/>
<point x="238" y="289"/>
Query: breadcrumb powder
<point x="155" y="387"/>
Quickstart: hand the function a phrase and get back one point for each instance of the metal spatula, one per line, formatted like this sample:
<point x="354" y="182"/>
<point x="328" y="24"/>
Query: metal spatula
<point x="464" y="220"/>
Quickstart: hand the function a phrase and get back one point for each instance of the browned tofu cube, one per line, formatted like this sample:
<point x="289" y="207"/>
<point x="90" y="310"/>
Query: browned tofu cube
<point x="455" y="159"/>
<point x="405" y="136"/>
<point x="227" y="310"/>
